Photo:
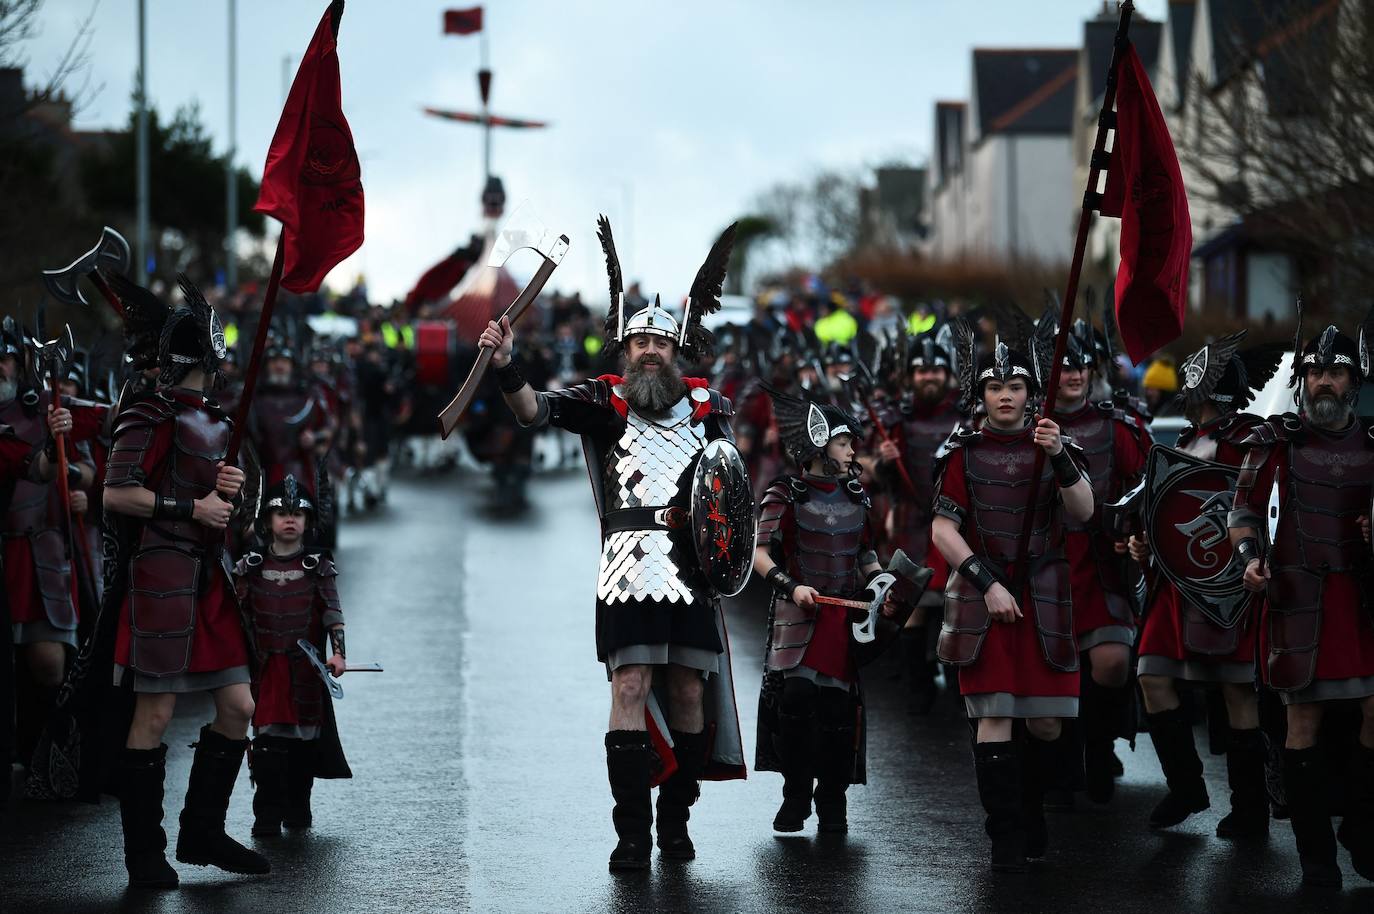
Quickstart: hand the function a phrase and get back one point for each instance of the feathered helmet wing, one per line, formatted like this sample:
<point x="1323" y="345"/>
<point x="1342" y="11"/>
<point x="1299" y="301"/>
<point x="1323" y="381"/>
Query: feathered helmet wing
<point x="806" y="426"/>
<point x="144" y="316"/>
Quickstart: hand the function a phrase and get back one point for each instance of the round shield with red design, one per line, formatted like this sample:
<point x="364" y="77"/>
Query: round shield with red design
<point x="1187" y="503"/>
<point x="723" y="520"/>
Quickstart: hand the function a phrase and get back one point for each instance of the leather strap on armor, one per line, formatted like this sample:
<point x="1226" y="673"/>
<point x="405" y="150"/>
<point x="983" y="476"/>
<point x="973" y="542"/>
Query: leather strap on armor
<point x="168" y="507"/>
<point x="1066" y="472"/>
<point x="668" y="517"/>
<point x="510" y="377"/>
<point x="977" y="573"/>
<point x="1247" y="550"/>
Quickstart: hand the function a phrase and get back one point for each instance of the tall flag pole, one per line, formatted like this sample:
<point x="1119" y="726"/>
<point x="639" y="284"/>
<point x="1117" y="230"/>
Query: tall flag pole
<point x="312" y="185"/>
<point x="1106" y="122"/>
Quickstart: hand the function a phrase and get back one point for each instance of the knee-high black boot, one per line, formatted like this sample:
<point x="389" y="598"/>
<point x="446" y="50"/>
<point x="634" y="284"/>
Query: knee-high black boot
<point x="677" y="794"/>
<point x="1038" y="765"/>
<point x="835" y="744"/>
<point x="270" y="758"/>
<point x="1305" y="783"/>
<point x="1171" y="732"/>
<point x="628" y="769"/>
<point x="796" y="744"/>
<point x="202" y="840"/>
<point x="142" y="772"/>
<point x="998" y="766"/>
<point x="1102" y="708"/>
<point x="1249" y="815"/>
<point x="300" y="782"/>
<point x="920" y="670"/>
<point x="1357" y="827"/>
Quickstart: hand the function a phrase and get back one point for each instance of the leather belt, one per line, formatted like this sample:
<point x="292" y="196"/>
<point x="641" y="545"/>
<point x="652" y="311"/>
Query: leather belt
<point x="666" y="518"/>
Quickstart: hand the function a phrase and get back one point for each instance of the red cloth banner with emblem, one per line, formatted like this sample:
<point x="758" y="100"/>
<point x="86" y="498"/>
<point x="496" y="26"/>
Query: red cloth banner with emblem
<point x="1145" y="188"/>
<point x="463" y="22"/>
<point x="312" y="183"/>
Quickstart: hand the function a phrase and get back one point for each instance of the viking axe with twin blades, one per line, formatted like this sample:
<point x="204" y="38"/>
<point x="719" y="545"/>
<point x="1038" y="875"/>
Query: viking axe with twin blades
<point x="522" y="230"/>
<point x="110" y="253"/>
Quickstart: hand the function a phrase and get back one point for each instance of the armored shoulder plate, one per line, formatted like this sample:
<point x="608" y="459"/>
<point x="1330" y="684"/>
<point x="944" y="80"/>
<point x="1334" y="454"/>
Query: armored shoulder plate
<point x="957" y="439"/>
<point x="857" y="493"/>
<point x="781" y="491"/>
<point x="146" y="412"/>
<point x="321" y="564"/>
<point x="720" y="404"/>
<point x="249" y="564"/>
<point x="1270" y="431"/>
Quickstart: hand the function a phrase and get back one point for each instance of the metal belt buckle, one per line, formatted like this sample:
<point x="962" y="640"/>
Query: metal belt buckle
<point x="674" y="518"/>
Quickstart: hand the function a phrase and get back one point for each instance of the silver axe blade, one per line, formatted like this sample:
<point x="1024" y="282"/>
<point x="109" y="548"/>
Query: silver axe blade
<point x="522" y="230"/>
<point x="110" y="253"/>
<point x="877" y="589"/>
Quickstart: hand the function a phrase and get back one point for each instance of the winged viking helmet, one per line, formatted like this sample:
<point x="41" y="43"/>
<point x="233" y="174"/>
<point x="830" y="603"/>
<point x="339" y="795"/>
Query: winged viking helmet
<point x="1333" y="349"/>
<point x="693" y="340"/>
<point x="806" y="426"/>
<point x="1222" y="373"/>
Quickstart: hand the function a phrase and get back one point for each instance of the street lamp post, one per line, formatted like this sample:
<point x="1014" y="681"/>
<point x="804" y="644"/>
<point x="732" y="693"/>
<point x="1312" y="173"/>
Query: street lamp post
<point x="142" y="144"/>
<point x="231" y="184"/>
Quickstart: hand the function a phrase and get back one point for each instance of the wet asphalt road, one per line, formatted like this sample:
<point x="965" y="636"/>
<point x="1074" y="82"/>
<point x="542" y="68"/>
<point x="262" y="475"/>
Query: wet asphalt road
<point x="479" y="776"/>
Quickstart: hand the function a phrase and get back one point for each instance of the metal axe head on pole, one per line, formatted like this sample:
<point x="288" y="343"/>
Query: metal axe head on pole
<point x="110" y="253"/>
<point x="524" y="229"/>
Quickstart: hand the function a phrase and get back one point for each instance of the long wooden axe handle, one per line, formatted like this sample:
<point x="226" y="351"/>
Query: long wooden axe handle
<point x="449" y="415"/>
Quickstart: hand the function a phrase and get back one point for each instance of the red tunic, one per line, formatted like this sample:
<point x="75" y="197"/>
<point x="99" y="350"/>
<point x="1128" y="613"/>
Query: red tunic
<point x="1011" y="659"/>
<point x="21" y="581"/>
<point x="1089" y="599"/>
<point x="1345" y="646"/>
<point x="219" y="641"/>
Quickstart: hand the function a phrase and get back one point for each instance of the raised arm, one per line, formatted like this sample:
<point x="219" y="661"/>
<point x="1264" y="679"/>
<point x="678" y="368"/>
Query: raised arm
<point x="519" y="395"/>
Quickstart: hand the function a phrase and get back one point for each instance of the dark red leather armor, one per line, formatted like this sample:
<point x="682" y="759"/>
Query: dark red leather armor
<point x="922" y="431"/>
<point x="997" y="474"/>
<point x="35" y="514"/>
<point x="1093" y="428"/>
<point x="286" y="599"/>
<point x="169" y="566"/>
<point x="279" y="415"/>
<point x="829" y="530"/>
<point x="1328" y="488"/>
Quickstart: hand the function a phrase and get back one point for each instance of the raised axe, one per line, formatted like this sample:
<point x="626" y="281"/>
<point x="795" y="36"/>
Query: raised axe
<point x="522" y="230"/>
<point x="335" y="687"/>
<point x="110" y="253"/>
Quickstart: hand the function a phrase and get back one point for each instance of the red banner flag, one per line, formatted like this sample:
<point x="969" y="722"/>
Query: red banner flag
<point x="1145" y="188"/>
<point x="312" y="183"/>
<point x="438" y="281"/>
<point x="463" y="22"/>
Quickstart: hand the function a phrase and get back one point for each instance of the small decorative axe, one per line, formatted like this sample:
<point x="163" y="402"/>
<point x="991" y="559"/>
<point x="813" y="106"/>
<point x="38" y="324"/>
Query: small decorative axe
<point x="110" y="253"/>
<point x="522" y="230"/>
<point x="335" y="687"/>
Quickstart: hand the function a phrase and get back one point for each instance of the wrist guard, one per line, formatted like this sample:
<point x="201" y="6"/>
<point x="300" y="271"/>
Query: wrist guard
<point x="336" y="641"/>
<point x="510" y="377"/>
<point x="781" y="580"/>
<point x="168" y="508"/>
<point x="1066" y="472"/>
<point x="976" y="573"/>
<point x="1246" y="550"/>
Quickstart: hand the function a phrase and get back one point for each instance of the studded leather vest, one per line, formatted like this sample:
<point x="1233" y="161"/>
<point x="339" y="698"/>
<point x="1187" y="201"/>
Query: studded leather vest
<point x="830" y="528"/>
<point x="649" y="467"/>
<point x="35" y="514"/>
<point x="998" y="469"/>
<point x="1327" y="491"/>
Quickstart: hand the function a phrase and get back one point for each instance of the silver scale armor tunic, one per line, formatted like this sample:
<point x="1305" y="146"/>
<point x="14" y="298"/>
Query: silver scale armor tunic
<point x="643" y="471"/>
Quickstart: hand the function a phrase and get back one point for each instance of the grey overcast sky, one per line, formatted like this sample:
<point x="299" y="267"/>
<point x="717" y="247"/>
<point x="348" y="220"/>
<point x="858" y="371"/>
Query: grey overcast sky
<point x="668" y="117"/>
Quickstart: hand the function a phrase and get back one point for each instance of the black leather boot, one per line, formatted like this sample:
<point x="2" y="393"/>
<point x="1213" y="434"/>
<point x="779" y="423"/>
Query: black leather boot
<point x="795" y="743"/>
<point x="835" y="757"/>
<point x="202" y="840"/>
<point x="1305" y="783"/>
<point x="142" y="772"/>
<point x="1249" y="815"/>
<point x="1037" y="768"/>
<point x="920" y="670"/>
<point x="1171" y="732"/>
<point x="300" y="781"/>
<point x="1357" y="826"/>
<point x="677" y="794"/>
<point x="270" y="759"/>
<point x="627" y="767"/>
<point x="1102" y="708"/>
<point x="998" y="766"/>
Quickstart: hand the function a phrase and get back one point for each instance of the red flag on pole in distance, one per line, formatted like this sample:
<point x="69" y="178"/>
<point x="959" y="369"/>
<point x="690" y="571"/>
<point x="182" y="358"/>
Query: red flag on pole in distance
<point x="1145" y="188"/>
<point x="438" y="281"/>
<point x="463" y="22"/>
<point x="312" y="183"/>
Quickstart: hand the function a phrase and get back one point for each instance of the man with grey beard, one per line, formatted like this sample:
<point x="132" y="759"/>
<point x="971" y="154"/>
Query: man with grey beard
<point x="1317" y="574"/>
<point x="659" y="628"/>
